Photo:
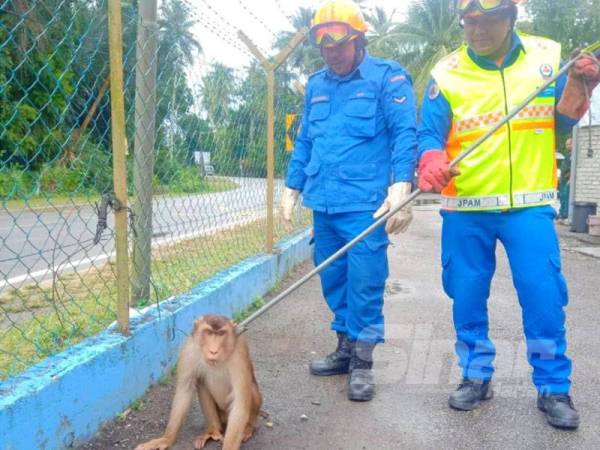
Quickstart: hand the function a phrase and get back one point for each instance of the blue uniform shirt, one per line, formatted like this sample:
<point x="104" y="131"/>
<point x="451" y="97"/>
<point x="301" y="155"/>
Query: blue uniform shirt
<point x="436" y="115"/>
<point x="358" y="135"/>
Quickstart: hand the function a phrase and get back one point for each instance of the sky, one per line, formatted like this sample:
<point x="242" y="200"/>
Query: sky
<point x="219" y="20"/>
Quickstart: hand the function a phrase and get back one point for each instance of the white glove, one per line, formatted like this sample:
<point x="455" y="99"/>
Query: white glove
<point x="397" y="193"/>
<point x="289" y="198"/>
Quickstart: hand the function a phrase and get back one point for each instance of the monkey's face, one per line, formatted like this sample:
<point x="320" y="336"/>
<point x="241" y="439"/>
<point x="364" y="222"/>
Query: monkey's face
<point x="217" y="345"/>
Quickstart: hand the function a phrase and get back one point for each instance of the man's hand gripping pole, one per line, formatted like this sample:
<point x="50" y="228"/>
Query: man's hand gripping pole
<point x="592" y="49"/>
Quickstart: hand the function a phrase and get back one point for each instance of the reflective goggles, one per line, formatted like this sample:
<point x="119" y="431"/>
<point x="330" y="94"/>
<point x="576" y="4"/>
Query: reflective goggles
<point x="482" y="5"/>
<point x="331" y="34"/>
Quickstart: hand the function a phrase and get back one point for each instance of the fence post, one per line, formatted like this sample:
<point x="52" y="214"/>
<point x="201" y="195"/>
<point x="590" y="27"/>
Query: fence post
<point x="117" y="106"/>
<point x="270" y="68"/>
<point x="143" y="156"/>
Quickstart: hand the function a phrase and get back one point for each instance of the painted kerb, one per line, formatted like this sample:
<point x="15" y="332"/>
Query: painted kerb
<point x="65" y="399"/>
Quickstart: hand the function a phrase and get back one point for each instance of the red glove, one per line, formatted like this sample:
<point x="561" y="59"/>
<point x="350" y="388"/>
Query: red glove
<point x="583" y="77"/>
<point x="588" y="68"/>
<point x="434" y="171"/>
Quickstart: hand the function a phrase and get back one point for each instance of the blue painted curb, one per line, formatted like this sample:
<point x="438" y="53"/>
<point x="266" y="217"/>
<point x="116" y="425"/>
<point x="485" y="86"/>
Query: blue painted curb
<point x="64" y="400"/>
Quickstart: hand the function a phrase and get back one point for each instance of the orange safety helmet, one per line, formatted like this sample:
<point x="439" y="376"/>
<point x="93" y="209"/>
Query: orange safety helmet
<point x="337" y="21"/>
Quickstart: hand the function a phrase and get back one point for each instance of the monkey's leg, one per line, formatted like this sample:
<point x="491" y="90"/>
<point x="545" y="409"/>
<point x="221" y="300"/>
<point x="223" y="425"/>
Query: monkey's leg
<point x="254" y="413"/>
<point x="211" y="418"/>
<point x="236" y="423"/>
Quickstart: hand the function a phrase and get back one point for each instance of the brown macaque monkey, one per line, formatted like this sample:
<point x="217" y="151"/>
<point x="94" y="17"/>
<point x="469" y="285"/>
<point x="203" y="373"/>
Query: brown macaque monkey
<point x="214" y="363"/>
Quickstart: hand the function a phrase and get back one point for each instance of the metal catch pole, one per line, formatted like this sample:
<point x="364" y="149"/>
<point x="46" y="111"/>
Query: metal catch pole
<point x="342" y="251"/>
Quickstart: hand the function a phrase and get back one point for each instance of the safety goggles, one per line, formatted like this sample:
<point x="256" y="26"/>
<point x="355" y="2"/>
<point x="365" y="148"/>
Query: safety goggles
<point x="331" y="34"/>
<point x="484" y="6"/>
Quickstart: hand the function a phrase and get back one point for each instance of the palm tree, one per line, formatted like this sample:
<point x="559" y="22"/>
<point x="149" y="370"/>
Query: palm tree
<point x="429" y="33"/>
<point x="382" y="37"/>
<point x="218" y="90"/>
<point x="177" y="42"/>
<point x="305" y="59"/>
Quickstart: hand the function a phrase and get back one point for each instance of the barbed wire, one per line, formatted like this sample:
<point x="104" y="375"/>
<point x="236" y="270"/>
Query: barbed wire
<point x="287" y="16"/>
<point x="256" y="18"/>
<point x="231" y="40"/>
<point x="227" y="23"/>
<point x="206" y="186"/>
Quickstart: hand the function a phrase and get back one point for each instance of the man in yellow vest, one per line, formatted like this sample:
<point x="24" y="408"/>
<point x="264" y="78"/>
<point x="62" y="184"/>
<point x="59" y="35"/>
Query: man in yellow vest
<point x="502" y="192"/>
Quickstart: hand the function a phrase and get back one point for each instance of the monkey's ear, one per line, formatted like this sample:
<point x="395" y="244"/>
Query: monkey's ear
<point x="197" y="323"/>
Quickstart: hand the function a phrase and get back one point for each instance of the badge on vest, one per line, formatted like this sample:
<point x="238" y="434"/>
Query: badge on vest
<point x="546" y="71"/>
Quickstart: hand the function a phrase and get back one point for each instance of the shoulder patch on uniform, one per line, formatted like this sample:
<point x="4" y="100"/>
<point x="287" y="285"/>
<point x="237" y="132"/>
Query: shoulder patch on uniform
<point x="397" y="78"/>
<point x="400" y="100"/>
<point x="319" y="99"/>
<point x="434" y="91"/>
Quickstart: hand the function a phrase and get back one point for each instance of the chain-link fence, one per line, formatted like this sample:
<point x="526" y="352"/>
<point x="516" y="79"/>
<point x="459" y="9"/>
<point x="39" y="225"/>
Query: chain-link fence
<point x="196" y="134"/>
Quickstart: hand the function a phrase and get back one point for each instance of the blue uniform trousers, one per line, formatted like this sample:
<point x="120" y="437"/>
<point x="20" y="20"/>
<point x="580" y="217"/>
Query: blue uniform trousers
<point x="353" y="285"/>
<point x="468" y="258"/>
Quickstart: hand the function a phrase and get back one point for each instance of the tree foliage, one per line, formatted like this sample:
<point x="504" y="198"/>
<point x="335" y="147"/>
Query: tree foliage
<point x="573" y="23"/>
<point x="55" y="111"/>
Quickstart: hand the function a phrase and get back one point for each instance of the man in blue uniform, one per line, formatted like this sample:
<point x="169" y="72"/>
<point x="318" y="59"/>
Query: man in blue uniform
<point x="353" y="161"/>
<point x="502" y="192"/>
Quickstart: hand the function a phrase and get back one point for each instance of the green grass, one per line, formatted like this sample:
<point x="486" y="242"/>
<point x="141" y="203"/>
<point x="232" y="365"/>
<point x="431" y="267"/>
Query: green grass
<point x="54" y="316"/>
<point x="50" y="201"/>
<point x="257" y="303"/>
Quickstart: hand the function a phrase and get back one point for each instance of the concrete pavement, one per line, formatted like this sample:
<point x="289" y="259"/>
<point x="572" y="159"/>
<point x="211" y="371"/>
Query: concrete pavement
<point x="415" y="369"/>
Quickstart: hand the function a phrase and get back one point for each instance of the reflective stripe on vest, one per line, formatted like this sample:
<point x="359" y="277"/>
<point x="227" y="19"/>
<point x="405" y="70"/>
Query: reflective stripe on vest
<point x="517" y="163"/>
<point x="499" y="202"/>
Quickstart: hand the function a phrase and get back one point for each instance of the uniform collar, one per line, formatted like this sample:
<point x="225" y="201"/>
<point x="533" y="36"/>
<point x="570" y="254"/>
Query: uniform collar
<point x="513" y="53"/>
<point x="361" y="72"/>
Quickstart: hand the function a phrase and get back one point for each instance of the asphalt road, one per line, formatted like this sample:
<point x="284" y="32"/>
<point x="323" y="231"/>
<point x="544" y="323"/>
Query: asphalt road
<point x="415" y="369"/>
<point x="32" y="242"/>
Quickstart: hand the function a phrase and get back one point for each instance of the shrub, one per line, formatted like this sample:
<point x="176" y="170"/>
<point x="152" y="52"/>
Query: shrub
<point x="14" y="182"/>
<point x="188" y="180"/>
<point x="61" y="179"/>
<point x="94" y="164"/>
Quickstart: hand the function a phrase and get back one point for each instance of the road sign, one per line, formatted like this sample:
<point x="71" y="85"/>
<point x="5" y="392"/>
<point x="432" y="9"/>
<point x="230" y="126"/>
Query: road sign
<point x="292" y="128"/>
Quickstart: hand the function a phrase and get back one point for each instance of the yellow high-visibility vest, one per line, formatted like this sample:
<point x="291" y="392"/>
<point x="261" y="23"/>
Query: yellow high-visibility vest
<point x="515" y="167"/>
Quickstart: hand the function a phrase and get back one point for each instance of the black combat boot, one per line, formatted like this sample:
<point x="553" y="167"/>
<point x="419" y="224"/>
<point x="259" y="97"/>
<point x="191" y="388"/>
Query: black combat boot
<point x="559" y="409"/>
<point x="361" y="387"/>
<point x="469" y="393"/>
<point x="336" y="363"/>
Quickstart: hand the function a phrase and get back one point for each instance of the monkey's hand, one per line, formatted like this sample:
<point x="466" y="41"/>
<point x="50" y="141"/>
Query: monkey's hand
<point x="210" y="433"/>
<point x="155" y="444"/>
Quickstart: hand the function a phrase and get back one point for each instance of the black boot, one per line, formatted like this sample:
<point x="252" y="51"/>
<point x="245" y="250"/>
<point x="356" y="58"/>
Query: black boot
<point x="361" y="387"/>
<point x="559" y="409"/>
<point x="336" y="363"/>
<point x="469" y="393"/>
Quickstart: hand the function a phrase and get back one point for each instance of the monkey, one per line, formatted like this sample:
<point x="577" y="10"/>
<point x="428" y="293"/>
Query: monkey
<point x="214" y="364"/>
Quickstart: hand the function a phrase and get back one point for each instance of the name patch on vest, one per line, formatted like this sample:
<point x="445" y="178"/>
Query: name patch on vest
<point x="469" y="203"/>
